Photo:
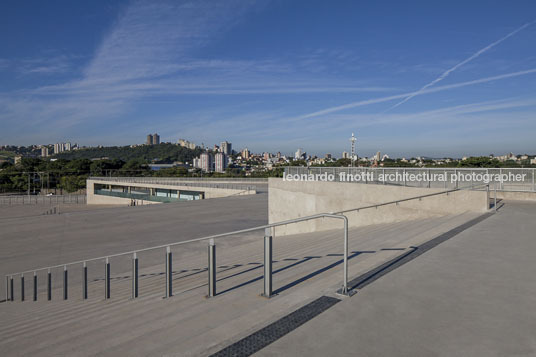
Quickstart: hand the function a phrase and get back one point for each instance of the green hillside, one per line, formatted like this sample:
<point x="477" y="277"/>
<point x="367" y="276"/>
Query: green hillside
<point x="162" y="153"/>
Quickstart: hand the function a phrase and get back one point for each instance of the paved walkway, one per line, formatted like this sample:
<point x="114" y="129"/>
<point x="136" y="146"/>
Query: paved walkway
<point x="473" y="295"/>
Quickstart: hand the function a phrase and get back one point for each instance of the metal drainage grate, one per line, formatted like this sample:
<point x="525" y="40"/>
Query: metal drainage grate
<point x="262" y="338"/>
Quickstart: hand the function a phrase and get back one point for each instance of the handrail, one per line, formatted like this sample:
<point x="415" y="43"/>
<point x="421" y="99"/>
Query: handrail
<point x="338" y="214"/>
<point x="220" y="235"/>
<point x="171" y="181"/>
<point x="410" y="199"/>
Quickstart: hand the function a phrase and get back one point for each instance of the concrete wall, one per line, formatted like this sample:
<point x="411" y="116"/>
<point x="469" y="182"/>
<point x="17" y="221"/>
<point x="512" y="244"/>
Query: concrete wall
<point x="288" y="200"/>
<point x="210" y="192"/>
<point x="517" y="196"/>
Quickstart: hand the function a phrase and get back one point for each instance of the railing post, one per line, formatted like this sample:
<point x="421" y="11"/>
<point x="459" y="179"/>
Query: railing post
<point x="35" y="286"/>
<point x="134" y="276"/>
<point x="495" y="197"/>
<point x="211" y="268"/>
<point x="49" y="285"/>
<point x="84" y="288"/>
<point x="107" y="279"/>
<point x="22" y="287"/>
<point x="487" y="197"/>
<point x="345" y="274"/>
<point x="65" y="281"/>
<point x="267" y="263"/>
<point x="533" y="182"/>
<point x="7" y="288"/>
<point x="169" y="273"/>
<point x="12" y="294"/>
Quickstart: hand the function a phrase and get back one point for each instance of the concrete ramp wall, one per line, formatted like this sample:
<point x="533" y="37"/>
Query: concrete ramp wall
<point x="288" y="200"/>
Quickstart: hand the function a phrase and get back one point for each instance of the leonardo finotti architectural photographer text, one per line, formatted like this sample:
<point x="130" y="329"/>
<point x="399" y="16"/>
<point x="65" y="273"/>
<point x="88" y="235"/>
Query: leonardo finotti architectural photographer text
<point x="407" y="177"/>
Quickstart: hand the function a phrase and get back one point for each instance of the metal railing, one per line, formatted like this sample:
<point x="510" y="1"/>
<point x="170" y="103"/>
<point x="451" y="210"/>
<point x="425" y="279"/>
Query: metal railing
<point x="17" y="200"/>
<point x="424" y="177"/>
<point x="168" y="263"/>
<point x="170" y="181"/>
<point x="211" y="254"/>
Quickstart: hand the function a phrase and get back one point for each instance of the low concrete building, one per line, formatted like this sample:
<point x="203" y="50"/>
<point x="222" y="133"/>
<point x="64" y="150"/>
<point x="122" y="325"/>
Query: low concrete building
<point x="150" y="190"/>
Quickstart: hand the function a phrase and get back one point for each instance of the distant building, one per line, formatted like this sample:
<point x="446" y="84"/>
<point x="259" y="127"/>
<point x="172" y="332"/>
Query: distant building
<point x="378" y="156"/>
<point x="267" y="156"/>
<point x="226" y="148"/>
<point x="220" y="162"/>
<point x="187" y="144"/>
<point x="61" y="147"/>
<point x="328" y="156"/>
<point x="153" y="139"/>
<point x="207" y="162"/>
<point x="246" y="154"/>
<point x="44" y="151"/>
<point x="345" y="155"/>
<point x="299" y="154"/>
<point x="18" y="159"/>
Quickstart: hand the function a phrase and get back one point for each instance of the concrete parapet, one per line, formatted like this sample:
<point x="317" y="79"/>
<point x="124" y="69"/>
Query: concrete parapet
<point x="288" y="200"/>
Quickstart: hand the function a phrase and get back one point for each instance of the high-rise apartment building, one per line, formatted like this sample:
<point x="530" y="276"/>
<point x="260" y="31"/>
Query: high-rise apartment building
<point x="345" y="155"/>
<point x="378" y="156"/>
<point x="59" y="147"/>
<point x="220" y="162"/>
<point x="207" y="162"/>
<point x="153" y="139"/>
<point x="44" y="151"/>
<point x="226" y="148"/>
<point x="246" y="154"/>
<point x="299" y="154"/>
<point x="67" y="146"/>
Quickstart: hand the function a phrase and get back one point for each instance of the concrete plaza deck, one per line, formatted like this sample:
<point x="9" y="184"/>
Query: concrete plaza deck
<point x="462" y="294"/>
<point x="473" y="295"/>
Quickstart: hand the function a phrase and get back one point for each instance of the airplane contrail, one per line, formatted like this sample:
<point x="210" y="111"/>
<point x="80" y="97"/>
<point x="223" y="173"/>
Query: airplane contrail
<point x="419" y="92"/>
<point x="468" y="59"/>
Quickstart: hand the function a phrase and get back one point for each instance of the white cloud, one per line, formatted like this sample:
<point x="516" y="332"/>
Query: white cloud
<point x="420" y="92"/>
<point x="465" y="61"/>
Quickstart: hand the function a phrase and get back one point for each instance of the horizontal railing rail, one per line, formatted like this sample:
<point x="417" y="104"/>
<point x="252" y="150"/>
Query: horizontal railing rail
<point x="211" y="239"/>
<point x="486" y="186"/>
<point x="13" y="200"/>
<point x="202" y="179"/>
<point x="173" y="182"/>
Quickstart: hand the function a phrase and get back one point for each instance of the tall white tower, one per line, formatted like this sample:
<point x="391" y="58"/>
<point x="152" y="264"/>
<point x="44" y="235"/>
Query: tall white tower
<point x="353" y="139"/>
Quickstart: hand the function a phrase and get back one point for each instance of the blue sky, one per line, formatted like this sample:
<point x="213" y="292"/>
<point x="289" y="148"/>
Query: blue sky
<point x="409" y="78"/>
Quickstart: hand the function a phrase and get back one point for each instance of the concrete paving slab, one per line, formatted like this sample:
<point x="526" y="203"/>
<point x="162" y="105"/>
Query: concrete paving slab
<point x="473" y="295"/>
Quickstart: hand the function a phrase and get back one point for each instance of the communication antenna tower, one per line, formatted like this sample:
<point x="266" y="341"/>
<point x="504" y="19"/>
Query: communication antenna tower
<point x="353" y="139"/>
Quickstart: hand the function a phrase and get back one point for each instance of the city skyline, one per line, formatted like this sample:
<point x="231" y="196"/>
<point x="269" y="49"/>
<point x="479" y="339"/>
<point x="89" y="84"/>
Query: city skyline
<point x="410" y="79"/>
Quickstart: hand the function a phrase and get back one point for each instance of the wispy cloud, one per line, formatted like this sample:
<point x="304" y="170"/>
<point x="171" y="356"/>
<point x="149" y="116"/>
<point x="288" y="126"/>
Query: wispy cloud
<point x="419" y="92"/>
<point x="458" y="65"/>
